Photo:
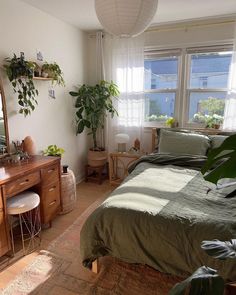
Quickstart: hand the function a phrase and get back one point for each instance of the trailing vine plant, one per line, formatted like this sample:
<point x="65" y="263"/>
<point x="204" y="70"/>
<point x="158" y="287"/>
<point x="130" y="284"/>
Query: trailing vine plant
<point x="20" y="73"/>
<point x="54" y="71"/>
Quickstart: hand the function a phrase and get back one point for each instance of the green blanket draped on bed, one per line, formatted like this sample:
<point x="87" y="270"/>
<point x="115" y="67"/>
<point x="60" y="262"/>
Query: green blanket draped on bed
<point x="159" y="216"/>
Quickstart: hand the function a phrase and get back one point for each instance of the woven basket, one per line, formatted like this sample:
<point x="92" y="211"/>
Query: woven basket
<point x="68" y="192"/>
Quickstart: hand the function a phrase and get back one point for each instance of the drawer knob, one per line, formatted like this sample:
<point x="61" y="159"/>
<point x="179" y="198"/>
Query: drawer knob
<point x="52" y="189"/>
<point x="52" y="203"/>
<point x="51" y="170"/>
<point x="24" y="182"/>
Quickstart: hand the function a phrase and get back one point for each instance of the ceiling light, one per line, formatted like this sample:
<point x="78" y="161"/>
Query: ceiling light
<point x="125" y="18"/>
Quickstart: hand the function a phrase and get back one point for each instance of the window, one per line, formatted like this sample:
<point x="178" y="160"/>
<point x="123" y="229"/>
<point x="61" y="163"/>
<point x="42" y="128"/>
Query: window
<point x="161" y="85"/>
<point x="202" y="94"/>
<point x="207" y="84"/>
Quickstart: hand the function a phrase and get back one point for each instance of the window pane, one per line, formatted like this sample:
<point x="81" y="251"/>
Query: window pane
<point x="159" y="106"/>
<point x="210" y="70"/>
<point x="161" y="73"/>
<point x="206" y="107"/>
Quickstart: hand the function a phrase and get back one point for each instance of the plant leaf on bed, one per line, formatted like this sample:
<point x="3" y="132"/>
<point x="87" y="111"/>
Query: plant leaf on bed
<point x="219" y="249"/>
<point x="221" y="161"/>
<point x="204" y="281"/>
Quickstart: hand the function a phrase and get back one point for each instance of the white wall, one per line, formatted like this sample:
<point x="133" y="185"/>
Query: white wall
<point x="25" y="28"/>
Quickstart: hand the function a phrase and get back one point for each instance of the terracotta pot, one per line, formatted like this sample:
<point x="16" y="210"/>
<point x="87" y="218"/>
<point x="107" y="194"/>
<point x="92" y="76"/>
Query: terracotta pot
<point x="97" y="158"/>
<point x="29" y="146"/>
<point x="216" y="126"/>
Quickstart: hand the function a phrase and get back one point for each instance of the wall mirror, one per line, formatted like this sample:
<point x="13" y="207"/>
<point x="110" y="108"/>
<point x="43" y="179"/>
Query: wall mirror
<point x="4" y="135"/>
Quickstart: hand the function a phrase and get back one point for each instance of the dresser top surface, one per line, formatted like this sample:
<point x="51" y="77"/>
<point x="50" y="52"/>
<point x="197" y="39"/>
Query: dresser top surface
<point x="10" y="171"/>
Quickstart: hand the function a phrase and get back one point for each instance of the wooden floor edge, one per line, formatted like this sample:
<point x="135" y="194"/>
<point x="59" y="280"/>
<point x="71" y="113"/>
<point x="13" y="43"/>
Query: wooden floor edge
<point x="95" y="266"/>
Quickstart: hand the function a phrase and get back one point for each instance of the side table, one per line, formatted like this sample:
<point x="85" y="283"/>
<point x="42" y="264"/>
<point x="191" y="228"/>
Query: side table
<point x="123" y="158"/>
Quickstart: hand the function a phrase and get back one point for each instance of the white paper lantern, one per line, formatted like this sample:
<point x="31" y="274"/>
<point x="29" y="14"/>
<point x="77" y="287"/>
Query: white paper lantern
<point x="125" y="18"/>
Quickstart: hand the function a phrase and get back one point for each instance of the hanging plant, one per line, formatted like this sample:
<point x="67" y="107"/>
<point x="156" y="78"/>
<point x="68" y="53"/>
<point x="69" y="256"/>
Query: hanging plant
<point x="20" y="73"/>
<point x="52" y="70"/>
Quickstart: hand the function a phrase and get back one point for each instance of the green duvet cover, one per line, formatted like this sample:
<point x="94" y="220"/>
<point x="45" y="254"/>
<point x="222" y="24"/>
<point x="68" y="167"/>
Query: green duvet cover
<point x="159" y="216"/>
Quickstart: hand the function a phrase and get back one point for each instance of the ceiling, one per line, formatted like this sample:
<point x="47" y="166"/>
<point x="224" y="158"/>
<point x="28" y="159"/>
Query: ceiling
<point x="81" y="13"/>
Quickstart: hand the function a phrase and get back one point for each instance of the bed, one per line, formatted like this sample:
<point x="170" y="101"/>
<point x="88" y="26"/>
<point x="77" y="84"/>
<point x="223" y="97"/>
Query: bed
<point x="159" y="216"/>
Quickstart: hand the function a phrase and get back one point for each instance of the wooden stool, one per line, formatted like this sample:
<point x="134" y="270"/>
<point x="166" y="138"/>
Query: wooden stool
<point x="95" y="173"/>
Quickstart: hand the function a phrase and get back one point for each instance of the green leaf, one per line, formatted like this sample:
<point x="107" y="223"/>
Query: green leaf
<point x="87" y="123"/>
<point x="80" y="127"/>
<point x="204" y="281"/>
<point x="221" y="161"/>
<point x="219" y="249"/>
<point x="72" y="93"/>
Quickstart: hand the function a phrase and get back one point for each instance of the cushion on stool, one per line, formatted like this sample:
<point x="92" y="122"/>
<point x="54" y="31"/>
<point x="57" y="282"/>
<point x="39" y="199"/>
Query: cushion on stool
<point x="22" y="203"/>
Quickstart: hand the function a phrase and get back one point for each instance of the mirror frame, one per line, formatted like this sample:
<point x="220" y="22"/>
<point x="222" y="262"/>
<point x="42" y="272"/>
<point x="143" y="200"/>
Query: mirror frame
<point x="4" y="109"/>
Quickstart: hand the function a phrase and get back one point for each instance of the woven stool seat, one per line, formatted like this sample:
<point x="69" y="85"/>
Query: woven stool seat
<point x="22" y="203"/>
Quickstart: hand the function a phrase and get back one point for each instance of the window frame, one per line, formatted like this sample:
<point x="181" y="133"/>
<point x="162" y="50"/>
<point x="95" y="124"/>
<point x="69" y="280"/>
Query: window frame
<point x="150" y="55"/>
<point x="183" y="90"/>
<point x="188" y="90"/>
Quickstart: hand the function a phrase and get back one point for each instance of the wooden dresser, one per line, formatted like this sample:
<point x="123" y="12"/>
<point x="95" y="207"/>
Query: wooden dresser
<point x="40" y="174"/>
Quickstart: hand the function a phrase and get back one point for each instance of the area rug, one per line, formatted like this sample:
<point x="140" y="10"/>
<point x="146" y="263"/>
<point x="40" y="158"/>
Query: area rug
<point x="58" y="271"/>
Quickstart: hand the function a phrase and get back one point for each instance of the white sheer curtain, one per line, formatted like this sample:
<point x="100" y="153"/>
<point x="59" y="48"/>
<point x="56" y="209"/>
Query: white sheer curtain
<point x="100" y="75"/>
<point x="230" y="105"/>
<point x="124" y="64"/>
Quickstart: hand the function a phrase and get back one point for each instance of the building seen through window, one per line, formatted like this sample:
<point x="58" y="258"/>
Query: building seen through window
<point x="206" y="79"/>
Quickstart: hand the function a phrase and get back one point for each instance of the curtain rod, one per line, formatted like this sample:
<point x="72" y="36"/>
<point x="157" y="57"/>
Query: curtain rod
<point x="182" y="25"/>
<point x="179" y="26"/>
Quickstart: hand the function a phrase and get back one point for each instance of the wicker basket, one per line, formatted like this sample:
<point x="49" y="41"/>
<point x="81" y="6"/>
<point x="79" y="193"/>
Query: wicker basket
<point x="68" y="192"/>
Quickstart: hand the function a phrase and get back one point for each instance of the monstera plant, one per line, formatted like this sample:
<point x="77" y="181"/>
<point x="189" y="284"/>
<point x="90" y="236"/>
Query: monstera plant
<point x="220" y="164"/>
<point x="205" y="280"/>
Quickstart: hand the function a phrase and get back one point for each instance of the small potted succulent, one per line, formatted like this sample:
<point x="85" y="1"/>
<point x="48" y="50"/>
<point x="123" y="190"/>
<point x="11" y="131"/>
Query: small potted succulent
<point x="171" y="122"/>
<point x="52" y="70"/>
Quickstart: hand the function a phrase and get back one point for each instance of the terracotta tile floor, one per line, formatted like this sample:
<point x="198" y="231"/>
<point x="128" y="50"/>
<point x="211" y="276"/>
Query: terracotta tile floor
<point x="87" y="193"/>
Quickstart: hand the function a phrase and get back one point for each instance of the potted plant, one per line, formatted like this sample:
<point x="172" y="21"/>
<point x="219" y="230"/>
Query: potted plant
<point x="171" y="122"/>
<point x="53" y="150"/>
<point x="220" y="164"/>
<point x="52" y="70"/>
<point x="214" y="121"/>
<point x="92" y="104"/>
<point x="20" y="73"/>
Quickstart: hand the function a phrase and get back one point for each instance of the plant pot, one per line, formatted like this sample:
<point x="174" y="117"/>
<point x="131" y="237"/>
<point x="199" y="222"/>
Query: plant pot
<point x="216" y="126"/>
<point x="45" y="74"/>
<point x="97" y="158"/>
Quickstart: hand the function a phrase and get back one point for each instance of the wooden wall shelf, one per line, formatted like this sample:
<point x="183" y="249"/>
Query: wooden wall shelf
<point x="39" y="78"/>
<point x="42" y="78"/>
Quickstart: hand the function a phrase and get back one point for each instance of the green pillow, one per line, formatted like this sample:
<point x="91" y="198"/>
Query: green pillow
<point x="217" y="140"/>
<point x="182" y="143"/>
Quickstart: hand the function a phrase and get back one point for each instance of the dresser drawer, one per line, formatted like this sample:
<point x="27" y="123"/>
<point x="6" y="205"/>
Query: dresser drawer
<point x="50" y="202"/>
<point x="50" y="174"/>
<point x="22" y="183"/>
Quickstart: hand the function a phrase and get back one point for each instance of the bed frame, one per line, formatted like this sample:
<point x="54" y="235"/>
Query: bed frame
<point x="155" y="139"/>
